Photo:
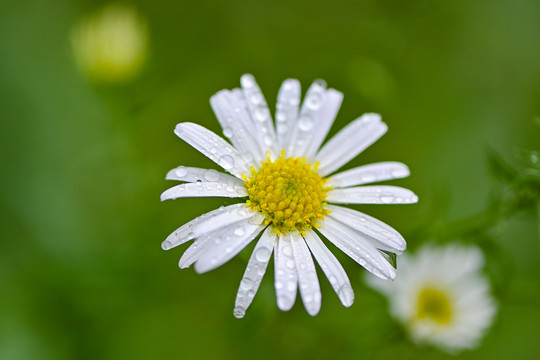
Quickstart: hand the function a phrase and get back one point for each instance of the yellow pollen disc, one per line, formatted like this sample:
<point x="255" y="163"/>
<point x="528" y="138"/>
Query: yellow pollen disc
<point x="435" y="305"/>
<point x="288" y="192"/>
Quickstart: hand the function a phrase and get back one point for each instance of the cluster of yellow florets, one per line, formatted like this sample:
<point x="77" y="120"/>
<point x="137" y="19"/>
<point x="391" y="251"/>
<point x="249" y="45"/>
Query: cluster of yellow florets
<point x="288" y="192"/>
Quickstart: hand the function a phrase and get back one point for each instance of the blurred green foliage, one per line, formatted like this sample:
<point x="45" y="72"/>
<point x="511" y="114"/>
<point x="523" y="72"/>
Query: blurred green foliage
<point x="81" y="269"/>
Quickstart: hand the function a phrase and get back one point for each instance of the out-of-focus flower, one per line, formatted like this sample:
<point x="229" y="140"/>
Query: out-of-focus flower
<point x="111" y="46"/>
<point x="286" y="179"/>
<point x="441" y="297"/>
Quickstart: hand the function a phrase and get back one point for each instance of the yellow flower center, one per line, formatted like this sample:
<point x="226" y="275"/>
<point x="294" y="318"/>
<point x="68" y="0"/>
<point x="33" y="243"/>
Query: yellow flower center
<point x="288" y="192"/>
<point x="435" y="305"/>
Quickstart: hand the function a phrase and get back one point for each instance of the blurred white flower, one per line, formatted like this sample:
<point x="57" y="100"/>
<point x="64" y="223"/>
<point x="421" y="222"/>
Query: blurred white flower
<point x="111" y="46"/>
<point x="441" y="297"/>
<point x="286" y="179"/>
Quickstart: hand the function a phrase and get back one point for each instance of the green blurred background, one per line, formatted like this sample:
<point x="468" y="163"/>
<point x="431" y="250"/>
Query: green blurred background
<point x="82" y="274"/>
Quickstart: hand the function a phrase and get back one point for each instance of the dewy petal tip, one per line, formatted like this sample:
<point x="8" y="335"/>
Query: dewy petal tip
<point x="274" y="165"/>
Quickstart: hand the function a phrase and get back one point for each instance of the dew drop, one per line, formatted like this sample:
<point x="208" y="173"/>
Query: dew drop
<point x="226" y="162"/>
<point x="181" y="172"/>
<point x="279" y="285"/>
<point x="294" y="101"/>
<point x="242" y="192"/>
<point x="387" y="199"/>
<point x="211" y="175"/>
<point x="256" y="99"/>
<point x="368" y="177"/>
<point x="287" y="250"/>
<point x="280" y="116"/>
<point x="291" y="285"/>
<point x="305" y="123"/>
<point x="261" y="114"/>
<point x="227" y="132"/>
<point x="246" y="283"/>
<point x="314" y="101"/>
<point x="239" y="231"/>
<point x="239" y="312"/>
<point x="290" y="264"/>
<point x="263" y="254"/>
<point x="267" y="140"/>
<point x="346" y="295"/>
<point x="166" y="245"/>
<point x="242" y="212"/>
<point x="332" y="279"/>
<point x="283" y="302"/>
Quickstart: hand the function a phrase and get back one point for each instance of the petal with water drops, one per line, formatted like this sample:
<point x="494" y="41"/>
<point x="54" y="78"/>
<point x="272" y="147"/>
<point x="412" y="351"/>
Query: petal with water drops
<point x="357" y="249"/>
<point x="213" y="147"/>
<point x="381" y="235"/>
<point x="371" y="173"/>
<point x="200" y="189"/>
<point x="236" y="123"/>
<point x="287" y="106"/>
<point x="380" y="194"/>
<point x="349" y="142"/>
<point x="254" y="273"/>
<point x="260" y="114"/>
<point x="285" y="278"/>
<point x="307" y="276"/>
<point x="331" y="267"/>
<point x="227" y="245"/>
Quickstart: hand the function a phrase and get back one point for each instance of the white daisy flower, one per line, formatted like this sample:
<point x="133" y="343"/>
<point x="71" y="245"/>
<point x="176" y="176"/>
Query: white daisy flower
<point x="441" y="297"/>
<point x="284" y="173"/>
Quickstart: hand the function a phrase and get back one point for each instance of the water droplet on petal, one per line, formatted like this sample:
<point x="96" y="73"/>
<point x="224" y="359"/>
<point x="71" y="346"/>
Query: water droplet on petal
<point x="239" y="312"/>
<point x="314" y="102"/>
<point x="280" y="116"/>
<point x="306" y="122"/>
<point x="287" y="250"/>
<point x="246" y="283"/>
<point x="181" y="172"/>
<point x="166" y="245"/>
<point x="211" y="175"/>
<point x="226" y="162"/>
<point x="290" y="264"/>
<point x="261" y="114"/>
<point x="239" y="231"/>
<point x="227" y="132"/>
<point x="263" y="254"/>
<point x="387" y="199"/>
<point x="291" y="285"/>
<point x="368" y="177"/>
<point x="346" y="295"/>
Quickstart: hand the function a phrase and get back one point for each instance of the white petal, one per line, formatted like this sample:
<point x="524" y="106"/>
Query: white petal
<point x="332" y="268"/>
<point x="260" y="114"/>
<point x="213" y="147"/>
<point x="381" y="235"/>
<point x="237" y="124"/>
<point x="225" y="217"/>
<point x="358" y="249"/>
<point x="285" y="278"/>
<point x="185" y="232"/>
<point x="307" y="276"/>
<point x="288" y="102"/>
<point x="350" y="142"/>
<point x="369" y="173"/>
<point x="226" y="245"/>
<point x="372" y="195"/>
<point x="254" y="273"/>
<point x="191" y="174"/>
<point x="318" y="112"/>
<point x="200" y="189"/>
<point x="195" y="250"/>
